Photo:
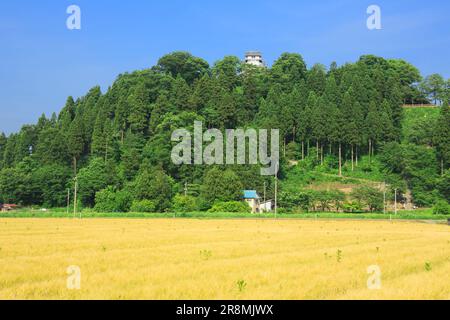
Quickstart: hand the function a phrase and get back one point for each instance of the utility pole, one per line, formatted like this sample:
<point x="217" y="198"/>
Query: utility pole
<point x="276" y="189"/>
<point x="395" y="201"/>
<point x="75" y="197"/>
<point x="185" y="189"/>
<point x="68" y="200"/>
<point x="264" y="192"/>
<point x="384" y="199"/>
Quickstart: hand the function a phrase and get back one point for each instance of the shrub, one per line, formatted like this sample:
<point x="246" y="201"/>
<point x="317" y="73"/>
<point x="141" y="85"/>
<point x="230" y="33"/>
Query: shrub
<point x="231" y="206"/>
<point x="444" y="185"/>
<point x="123" y="200"/>
<point x="329" y="199"/>
<point x="291" y="200"/>
<point x="155" y="185"/>
<point x="352" y="207"/>
<point x="109" y="200"/>
<point x="372" y="197"/>
<point x="441" y="207"/>
<point x="184" y="204"/>
<point x="145" y="206"/>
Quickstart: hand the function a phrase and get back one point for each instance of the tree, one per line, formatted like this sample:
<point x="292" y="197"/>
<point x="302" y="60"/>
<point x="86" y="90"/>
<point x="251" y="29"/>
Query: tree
<point x="201" y="93"/>
<point x="433" y="87"/>
<point x="181" y="93"/>
<point x="15" y="186"/>
<point x="146" y="206"/>
<point x="139" y="112"/>
<point x="91" y="104"/>
<point x="93" y="178"/>
<point x="9" y="152"/>
<point x="227" y="72"/>
<point x="447" y="90"/>
<point x="219" y="185"/>
<point x="112" y="139"/>
<point x="154" y="185"/>
<point x="441" y="207"/>
<point x="183" y="64"/>
<point x="3" y="141"/>
<point x="104" y="138"/>
<point x="319" y="127"/>
<point x="387" y="128"/>
<point x="109" y="200"/>
<point x="316" y="79"/>
<point x="442" y="136"/>
<point x="254" y="86"/>
<point x="408" y="76"/>
<point x="351" y="117"/>
<point x="416" y="165"/>
<point x="288" y="70"/>
<point x="231" y="206"/>
<point x="75" y="140"/>
<point x="122" y="114"/>
<point x="67" y="114"/>
<point x="443" y="185"/>
<point x="184" y="204"/>
<point x="296" y="201"/>
<point x="52" y="147"/>
<point x="372" y="127"/>
<point x="51" y="182"/>
<point x="371" y="197"/>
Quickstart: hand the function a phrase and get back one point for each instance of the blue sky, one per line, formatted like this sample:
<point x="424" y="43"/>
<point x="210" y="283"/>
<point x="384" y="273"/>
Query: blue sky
<point x="42" y="62"/>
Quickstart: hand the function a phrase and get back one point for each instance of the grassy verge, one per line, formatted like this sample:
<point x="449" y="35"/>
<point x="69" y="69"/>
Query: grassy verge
<point x="404" y="215"/>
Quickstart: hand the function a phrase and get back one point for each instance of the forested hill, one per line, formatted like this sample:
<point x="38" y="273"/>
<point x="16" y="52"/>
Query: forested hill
<point x="118" y="144"/>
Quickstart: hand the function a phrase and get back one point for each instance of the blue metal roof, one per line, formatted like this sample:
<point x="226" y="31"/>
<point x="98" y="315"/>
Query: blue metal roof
<point x="250" y="194"/>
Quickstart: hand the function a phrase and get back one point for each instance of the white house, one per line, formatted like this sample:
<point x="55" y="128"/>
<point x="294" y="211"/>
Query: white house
<point x="254" y="58"/>
<point x="255" y="203"/>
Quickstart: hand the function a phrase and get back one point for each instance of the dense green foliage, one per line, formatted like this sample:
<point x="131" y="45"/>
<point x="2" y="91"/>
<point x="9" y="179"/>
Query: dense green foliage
<point x="442" y="208"/>
<point x="230" y="206"/>
<point x="142" y="206"/>
<point x="343" y="121"/>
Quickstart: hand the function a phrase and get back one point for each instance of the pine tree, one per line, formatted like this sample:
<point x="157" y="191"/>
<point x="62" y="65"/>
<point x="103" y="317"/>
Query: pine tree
<point x="75" y="140"/>
<point x="131" y="155"/>
<point x="387" y="129"/>
<point x="161" y="107"/>
<point x="358" y="116"/>
<point x="180" y="94"/>
<point x="121" y="114"/>
<point x="67" y="114"/>
<point x="372" y="127"/>
<point x="395" y="103"/>
<point x="350" y="128"/>
<point x="316" y="79"/>
<point x="3" y="141"/>
<point x="138" y="102"/>
<point x="52" y="147"/>
<point x="93" y="102"/>
<point x="288" y="70"/>
<point x="304" y="127"/>
<point x="98" y="139"/>
<point x="336" y="132"/>
<point x="200" y="94"/>
<point x="319" y="125"/>
<point x="442" y="137"/>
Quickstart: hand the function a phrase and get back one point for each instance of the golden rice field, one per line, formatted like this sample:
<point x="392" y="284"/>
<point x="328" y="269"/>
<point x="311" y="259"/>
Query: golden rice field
<point x="206" y="259"/>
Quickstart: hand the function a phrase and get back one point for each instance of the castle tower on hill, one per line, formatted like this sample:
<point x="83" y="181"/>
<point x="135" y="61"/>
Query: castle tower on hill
<point x="254" y="58"/>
